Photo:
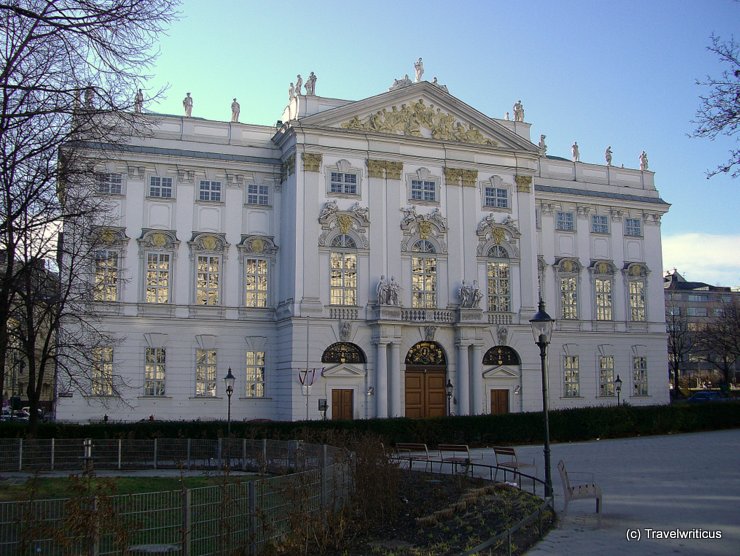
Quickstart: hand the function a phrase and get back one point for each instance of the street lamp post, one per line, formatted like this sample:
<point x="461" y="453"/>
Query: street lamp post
<point x="448" y="387"/>
<point x="542" y="325"/>
<point x="618" y="388"/>
<point x="229" y="380"/>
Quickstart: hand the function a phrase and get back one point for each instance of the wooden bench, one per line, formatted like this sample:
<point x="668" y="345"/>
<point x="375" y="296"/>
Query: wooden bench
<point x="588" y="489"/>
<point x="507" y="460"/>
<point x="454" y="454"/>
<point x="411" y="452"/>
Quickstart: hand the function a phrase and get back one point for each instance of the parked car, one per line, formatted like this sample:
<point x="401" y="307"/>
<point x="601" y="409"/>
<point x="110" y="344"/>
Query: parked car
<point x="706" y="396"/>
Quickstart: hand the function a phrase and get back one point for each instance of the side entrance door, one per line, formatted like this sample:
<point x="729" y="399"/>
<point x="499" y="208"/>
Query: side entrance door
<point x="342" y="404"/>
<point x="499" y="401"/>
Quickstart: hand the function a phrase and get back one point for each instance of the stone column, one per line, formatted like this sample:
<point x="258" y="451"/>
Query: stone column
<point x="397" y="385"/>
<point x="476" y="380"/>
<point x="381" y="381"/>
<point x="462" y="392"/>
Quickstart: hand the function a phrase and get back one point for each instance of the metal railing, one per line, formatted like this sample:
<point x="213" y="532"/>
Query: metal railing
<point x="243" y="515"/>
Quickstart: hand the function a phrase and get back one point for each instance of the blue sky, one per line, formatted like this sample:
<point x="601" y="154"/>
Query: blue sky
<point x="620" y="73"/>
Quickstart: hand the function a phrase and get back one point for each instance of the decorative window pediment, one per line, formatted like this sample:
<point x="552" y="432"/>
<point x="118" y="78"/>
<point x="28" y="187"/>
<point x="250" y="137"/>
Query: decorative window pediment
<point x="257" y="245"/>
<point x="428" y="227"/>
<point x="110" y="236"/>
<point x="504" y="234"/>
<point x="604" y="268"/>
<point x="207" y="242"/>
<point x="568" y="265"/>
<point x="353" y="222"/>
<point x="158" y="239"/>
<point x="635" y="270"/>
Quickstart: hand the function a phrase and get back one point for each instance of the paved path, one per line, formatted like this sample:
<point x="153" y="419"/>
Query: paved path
<point x="684" y="483"/>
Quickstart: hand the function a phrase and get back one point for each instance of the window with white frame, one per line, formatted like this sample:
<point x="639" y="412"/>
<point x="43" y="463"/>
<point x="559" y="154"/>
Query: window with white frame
<point x="639" y="376"/>
<point x="423" y="190"/>
<point x="155" y="361"/>
<point x="207" y="280"/>
<point x="109" y="184"/>
<point x="255" y="282"/>
<point x="205" y="372"/>
<point x="102" y="371"/>
<point x="603" y="295"/>
<point x="496" y="197"/>
<point x="599" y="224"/>
<point x="157" y="277"/>
<point x="343" y="271"/>
<point x="106" y="275"/>
<point x="499" y="280"/>
<point x="606" y="375"/>
<point x="696" y="311"/>
<point x="633" y="227"/>
<point x="565" y="221"/>
<point x="637" y="300"/>
<point x="571" y="376"/>
<point x="343" y="182"/>
<point x="423" y="275"/>
<point x="255" y="375"/>
<point x="568" y="297"/>
<point x="160" y="187"/>
<point x="258" y="194"/>
<point x="209" y="190"/>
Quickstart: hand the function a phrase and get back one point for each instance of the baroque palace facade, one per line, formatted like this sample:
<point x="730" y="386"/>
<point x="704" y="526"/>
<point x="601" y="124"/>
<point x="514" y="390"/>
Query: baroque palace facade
<point x="374" y="255"/>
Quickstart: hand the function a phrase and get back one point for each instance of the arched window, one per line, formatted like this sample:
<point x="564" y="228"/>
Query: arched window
<point x="343" y="352"/>
<point x="343" y="263"/>
<point x="423" y="275"/>
<point x="501" y="355"/>
<point x="499" y="280"/>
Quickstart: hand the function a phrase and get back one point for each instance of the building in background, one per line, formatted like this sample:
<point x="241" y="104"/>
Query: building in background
<point x="378" y="255"/>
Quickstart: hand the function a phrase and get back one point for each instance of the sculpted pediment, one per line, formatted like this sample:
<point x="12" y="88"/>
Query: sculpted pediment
<point x="424" y="111"/>
<point x="500" y="372"/>
<point x="343" y="370"/>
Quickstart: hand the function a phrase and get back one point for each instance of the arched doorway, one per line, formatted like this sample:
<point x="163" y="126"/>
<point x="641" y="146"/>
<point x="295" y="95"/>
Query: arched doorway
<point x="426" y="369"/>
<point x="506" y="365"/>
<point x="344" y="355"/>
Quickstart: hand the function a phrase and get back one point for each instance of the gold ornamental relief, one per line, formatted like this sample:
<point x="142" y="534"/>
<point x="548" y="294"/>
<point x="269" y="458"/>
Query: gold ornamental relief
<point x="209" y="243"/>
<point x="258" y="245"/>
<point x="344" y="221"/>
<point x="311" y="162"/>
<point x="108" y="236"/>
<point x="384" y="169"/>
<point x="602" y="268"/>
<point x="419" y="120"/>
<point x="499" y="236"/>
<point x="523" y="184"/>
<point x="425" y="229"/>
<point x="460" y="176"/>
<point x="568" y="266"/>
<point x="159" y="239"/>
<point x="393" y="170"/>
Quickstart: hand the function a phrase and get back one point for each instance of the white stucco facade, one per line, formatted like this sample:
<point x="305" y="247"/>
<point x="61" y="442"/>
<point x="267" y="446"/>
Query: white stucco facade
<point x="411" y="184"/>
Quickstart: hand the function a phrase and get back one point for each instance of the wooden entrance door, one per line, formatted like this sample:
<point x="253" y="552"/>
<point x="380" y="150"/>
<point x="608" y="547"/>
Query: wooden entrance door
<point x="425" y="392"/>
<point x="499" y="401"/>
<point x="342" y="404"/>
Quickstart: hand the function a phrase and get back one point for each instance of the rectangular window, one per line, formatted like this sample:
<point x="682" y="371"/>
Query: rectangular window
<point x="343" y="286"/>
<point x="423" y="190"/>
<point x="160" y="187"/>
<point x="207" y="280"/>
<point x="697" y="298"/>
<point x="637" y="301"/>
<point x="102" y="371"/>
<point x="255" y="282"/>
<point x="258" y="194"/>
<point x="109" y="184"/>
<point x="571" y="376"/>
<point x="606" y="375"/>
<point x="154" y="371"/>
<point x="499" y="287"/>
<point x="158" y="278"/>
<point x="210" y="191"/>
<point x="633" y="227"/>
<point x="603" y="299"/>
<point x="565" y="222"/>
<point x="342" y="182"/>
<point x="255" y="378"/>
<point x="424" y="282"/>
<point x="696" y="311"/>
<point x="205" y="372"/>
<point x="639" y="376"/>
<point x="106" y="276"/>
<point x="674" y="311"/>
<point x="599" y="224"/>
<point x="569" y="298"/>
<point x="497" y="197"/>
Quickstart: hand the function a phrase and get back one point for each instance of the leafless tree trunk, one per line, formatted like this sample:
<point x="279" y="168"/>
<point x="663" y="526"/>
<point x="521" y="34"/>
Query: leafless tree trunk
<point x="680" y="342"/>
<point x="70" y="71"/>
<point x="719" y="341"/>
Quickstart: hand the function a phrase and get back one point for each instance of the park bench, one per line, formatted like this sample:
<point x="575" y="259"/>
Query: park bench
<point x="411" y="452"/>
<point x="454" y="454"/>
<point x="587" y="489"/>
<point x="507" y="460"/>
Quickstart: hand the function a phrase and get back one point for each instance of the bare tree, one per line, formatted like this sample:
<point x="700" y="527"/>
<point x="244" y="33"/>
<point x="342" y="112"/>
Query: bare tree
<point x="680" y="342"/>
<point x="719" y="113"/>
<point x="719" y="341"/>
<point x="69" y="75"/>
